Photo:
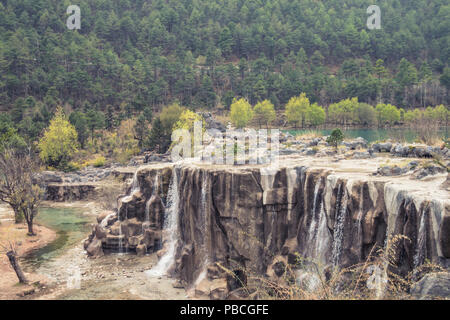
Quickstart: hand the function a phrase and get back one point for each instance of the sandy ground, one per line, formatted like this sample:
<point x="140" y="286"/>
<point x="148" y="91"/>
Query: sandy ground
<point x="10" y="288"/>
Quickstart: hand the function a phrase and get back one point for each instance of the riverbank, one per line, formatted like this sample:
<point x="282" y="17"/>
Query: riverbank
<point x="10" y="288"/>
<point x="54" y="266"/>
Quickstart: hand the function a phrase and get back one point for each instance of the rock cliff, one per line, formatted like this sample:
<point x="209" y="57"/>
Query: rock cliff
<point x="252" y="220"/>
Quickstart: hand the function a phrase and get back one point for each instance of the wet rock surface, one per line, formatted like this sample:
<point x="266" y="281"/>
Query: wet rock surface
<point x="242" y="218"/>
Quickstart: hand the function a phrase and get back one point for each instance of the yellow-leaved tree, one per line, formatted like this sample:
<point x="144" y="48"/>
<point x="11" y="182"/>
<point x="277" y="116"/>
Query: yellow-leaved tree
<point x="296" y="110"/>
<point x="264" y="113"/>
<point x="187" y="120"/>
<point x="240" y="113"/>
<point x="59" y="143"/>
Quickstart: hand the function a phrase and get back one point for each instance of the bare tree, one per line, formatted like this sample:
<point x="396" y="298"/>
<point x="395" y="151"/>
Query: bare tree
<point x="17" y="187"/>
<point x="11" y="253"/>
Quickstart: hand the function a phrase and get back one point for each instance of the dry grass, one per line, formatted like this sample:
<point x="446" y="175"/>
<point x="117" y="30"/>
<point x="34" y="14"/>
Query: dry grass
<point x="308" y="135"/>
<point x="373" y="279"/>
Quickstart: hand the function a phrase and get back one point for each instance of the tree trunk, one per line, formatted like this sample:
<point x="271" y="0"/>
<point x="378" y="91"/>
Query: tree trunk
<point x="15" y="265"/>
<point x="30" y="228"/>
<point x="18" y="218"/>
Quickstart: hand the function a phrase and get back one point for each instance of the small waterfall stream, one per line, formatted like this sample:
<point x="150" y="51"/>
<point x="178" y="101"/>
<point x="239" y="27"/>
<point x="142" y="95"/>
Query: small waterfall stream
<point x="360" y="212"/>
<point x="341" y="211"/>
<point x="205" y="225"/>
<point x="134" y="188"/>
<point x="171" y="230"/>
<point x="154" y="193"/>
<point x="421" y="241"/>
<point x="312" y="233"/>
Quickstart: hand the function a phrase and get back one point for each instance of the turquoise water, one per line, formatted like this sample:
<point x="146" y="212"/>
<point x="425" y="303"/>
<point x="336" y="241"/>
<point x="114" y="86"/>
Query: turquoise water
<point x="371" y="135"/>
<point x="71" y="227"/>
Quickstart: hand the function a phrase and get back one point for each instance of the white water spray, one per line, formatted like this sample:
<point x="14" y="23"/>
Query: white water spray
<point x="339" y="227"/>
<point x="360" y="212"/>
<point x="171" y="230"/>
<point x="206" y="222"/>
<point x="421" y="239"/>
<point x="154" y="193"/>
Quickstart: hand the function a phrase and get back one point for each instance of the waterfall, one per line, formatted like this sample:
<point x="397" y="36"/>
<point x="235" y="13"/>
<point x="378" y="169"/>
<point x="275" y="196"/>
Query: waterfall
<point x="154" y="193"/>
<point x="341" y="210"/>
<point x="313" y="224"/>
<point x="272" y="224"/>
<point x="134" y="188"/>
<point x="360" y="212"/>
<point x="291" y="182"/>
<point x="205" y="226"/>
<point x="321" y="242"/>
<point x="171" y="230"/>
<point x="421" y="241"/>
<point x="267" y="183"/>
<point x="105" y="221"/>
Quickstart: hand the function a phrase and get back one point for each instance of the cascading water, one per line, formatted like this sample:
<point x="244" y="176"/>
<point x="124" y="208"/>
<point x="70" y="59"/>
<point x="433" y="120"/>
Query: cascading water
<point x="154" y="193"/>
<point x="341" y="210"/>
<point x="105" y="221"/>
<point x="267" y="182"/>
<point x="205" y="224"/>
<point x="360" y="212"/>
<point x="291" y="183"/>
<point x="420" y="247"/>
<point x="171" y="230"/>
<point x="134" y="188"/>
<point x="313" y="224"/>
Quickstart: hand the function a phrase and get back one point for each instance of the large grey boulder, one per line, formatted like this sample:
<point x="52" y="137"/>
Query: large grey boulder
<point x="432" y="286"/>
<point x="430" y="170"/>
<point x="358" y="143"/>
<point x="382" y="147"/>
<point x="390" y="171"/>
<point x="94" y="249"/>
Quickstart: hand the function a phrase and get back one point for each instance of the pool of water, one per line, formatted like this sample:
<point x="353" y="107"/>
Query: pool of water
<point x="71" y="226"/>
<point x="372" y="135"/>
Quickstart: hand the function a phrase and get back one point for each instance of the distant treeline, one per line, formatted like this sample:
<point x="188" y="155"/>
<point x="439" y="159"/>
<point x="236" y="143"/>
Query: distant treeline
<point x="300" y="112"/>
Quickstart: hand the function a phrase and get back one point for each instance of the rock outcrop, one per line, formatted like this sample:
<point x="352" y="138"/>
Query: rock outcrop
<point x="246" y="219"/>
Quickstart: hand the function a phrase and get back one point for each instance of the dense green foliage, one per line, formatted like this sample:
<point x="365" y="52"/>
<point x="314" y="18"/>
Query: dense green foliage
<point x="135" y="54"/>
<point x="335" y="137"/>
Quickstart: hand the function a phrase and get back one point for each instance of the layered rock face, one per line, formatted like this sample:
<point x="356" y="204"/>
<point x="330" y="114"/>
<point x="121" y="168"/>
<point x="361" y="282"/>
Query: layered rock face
<point x="253" y="220"/>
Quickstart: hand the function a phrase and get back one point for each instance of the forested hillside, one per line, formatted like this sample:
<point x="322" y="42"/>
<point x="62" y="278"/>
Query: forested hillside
<point x="131" y="55"/>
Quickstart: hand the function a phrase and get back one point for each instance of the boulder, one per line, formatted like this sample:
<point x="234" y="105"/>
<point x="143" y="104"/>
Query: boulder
<point x="382" y="147"/>
<point x="361" y="155"/>
<point x="141" y="250"/>
<point x="131" y="227"/>
<point x="95" y="248"/>
<point x="429" y="170"/>
<point x="358" y="143"/>
<point x="102" y="216"/>
<point x="390" y="171"/>
<point x="218" y="289"/>
<point x="432" y="286"/>
<point x="100" y="232"/>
